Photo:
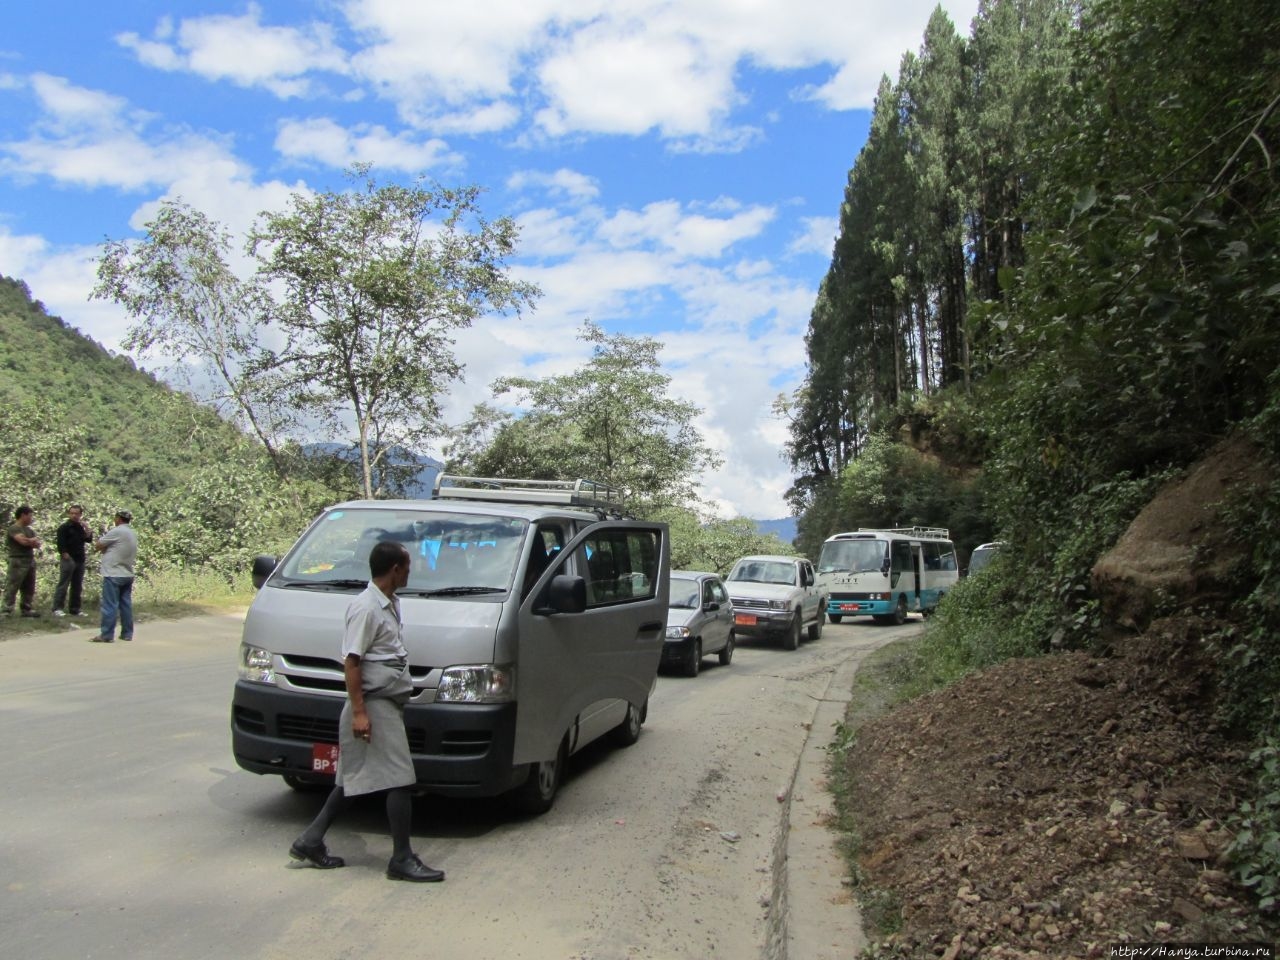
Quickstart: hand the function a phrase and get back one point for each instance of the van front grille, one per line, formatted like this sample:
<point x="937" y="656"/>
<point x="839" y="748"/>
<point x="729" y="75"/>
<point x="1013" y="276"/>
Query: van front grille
<point x="307" y="729"/>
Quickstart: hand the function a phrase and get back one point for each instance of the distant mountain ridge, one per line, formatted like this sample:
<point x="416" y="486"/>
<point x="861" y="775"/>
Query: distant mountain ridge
<point x="784" y="528"/>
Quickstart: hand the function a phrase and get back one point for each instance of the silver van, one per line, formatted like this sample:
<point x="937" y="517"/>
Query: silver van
<point x="534" y="618"/>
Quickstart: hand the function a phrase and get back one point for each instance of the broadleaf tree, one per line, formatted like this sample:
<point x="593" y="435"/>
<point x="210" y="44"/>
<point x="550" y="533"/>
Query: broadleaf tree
<point x="189" y="305"/>
<point x="611" y="420"/>
<point x="371" y="285"/>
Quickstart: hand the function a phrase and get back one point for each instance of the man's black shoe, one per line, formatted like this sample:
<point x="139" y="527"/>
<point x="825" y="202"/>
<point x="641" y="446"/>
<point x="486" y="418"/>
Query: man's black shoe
<point x="315" y="854"/>
<point x="414" y="870"/>
<point x="31" y="613"/>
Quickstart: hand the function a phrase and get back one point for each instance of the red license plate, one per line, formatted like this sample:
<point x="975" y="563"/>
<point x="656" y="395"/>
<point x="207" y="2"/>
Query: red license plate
<point x="745" y="619"/>
<point x="850" y="606"/>
<point x="324" y="758"/>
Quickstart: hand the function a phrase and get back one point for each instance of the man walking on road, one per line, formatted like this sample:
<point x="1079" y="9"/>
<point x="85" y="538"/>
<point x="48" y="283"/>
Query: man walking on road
<point x="72" y="535"/>
<point x="373" y="748"/>
<point x="119" y="549"/>
<point x="21" y="543"/>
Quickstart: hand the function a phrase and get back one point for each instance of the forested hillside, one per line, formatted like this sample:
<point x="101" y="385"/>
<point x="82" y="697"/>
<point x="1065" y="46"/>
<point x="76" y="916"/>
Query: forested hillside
<point x="130" y="436"/>
<point x="1056" y="287"/>
<point x="80" y="424"/>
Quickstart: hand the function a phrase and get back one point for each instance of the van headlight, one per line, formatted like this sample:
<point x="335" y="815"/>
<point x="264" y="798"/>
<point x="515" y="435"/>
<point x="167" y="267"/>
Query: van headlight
<point x="256" y="664"/>
<point x="677" y="633"/>
<point x="476" y="683"/>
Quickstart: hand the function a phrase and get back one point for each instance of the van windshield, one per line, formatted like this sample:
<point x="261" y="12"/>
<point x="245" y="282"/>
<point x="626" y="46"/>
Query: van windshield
<point x="452" y="554"/>
<point x="852" y="556"/>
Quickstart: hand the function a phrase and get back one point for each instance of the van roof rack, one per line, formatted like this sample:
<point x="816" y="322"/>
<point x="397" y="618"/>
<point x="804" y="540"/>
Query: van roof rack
<point x="932" y="533"/>
<point x="587" y="494"/>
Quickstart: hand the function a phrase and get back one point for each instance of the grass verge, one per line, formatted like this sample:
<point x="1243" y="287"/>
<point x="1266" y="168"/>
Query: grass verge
<point x="159" y="594"/>
<point x="885" y="678"/>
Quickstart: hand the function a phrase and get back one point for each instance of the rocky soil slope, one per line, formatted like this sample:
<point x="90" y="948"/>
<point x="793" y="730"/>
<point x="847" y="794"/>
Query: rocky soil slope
<point x="1051" y="807"/>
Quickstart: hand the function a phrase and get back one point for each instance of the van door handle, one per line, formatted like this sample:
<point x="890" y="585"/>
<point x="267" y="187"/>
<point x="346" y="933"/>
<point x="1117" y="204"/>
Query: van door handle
<point x="653" y="626"/>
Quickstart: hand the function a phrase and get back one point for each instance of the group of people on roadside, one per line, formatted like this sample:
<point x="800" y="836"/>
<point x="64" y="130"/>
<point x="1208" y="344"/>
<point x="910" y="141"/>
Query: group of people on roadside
<point x="118" y="546"/>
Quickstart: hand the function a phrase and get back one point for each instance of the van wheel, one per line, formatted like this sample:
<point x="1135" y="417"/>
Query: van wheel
<point x="628" y="731"/>
<point x="726" y="652"/>
<point x="694" y="661"/>
<point x="835" y="617"/>
<point x="900" y="612"/>
<point x="792" y="640"/>
<point x="815" y="628"/>
<point x="536" y="795"/>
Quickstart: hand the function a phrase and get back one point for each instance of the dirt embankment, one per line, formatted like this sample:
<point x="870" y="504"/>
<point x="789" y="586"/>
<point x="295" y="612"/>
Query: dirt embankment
<point x="1051" y="807"/>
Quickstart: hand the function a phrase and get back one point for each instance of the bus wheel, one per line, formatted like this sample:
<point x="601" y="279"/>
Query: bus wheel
<point x="835" y="617"/>
<point x="900" y="612"/>
<point x="792" y="640"/>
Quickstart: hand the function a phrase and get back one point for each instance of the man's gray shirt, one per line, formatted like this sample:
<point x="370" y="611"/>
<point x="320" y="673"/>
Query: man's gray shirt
<point x="121" y="551"/>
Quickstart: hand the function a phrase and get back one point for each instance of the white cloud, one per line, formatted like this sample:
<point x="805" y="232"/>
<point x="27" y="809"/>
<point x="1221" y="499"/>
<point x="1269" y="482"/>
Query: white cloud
<point x="563" y="182"/>
<point x="324" y="140"/>
<point x="93" y="139"/>
<point x="242" y="50"/>
<point x="628" y="67"/>
<point x="817" y="235"/>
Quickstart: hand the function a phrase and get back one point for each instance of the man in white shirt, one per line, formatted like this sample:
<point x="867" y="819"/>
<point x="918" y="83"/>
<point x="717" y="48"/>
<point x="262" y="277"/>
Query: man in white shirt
<point x="373" y="748"/>
<point x="119" y="549"/>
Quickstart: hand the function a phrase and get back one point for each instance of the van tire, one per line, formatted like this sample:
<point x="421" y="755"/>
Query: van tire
<point x="726" y="652"/>
<point x="693" y="662"/>
<point x="900" y="611"/>
<point x="792" y="640"/>
<point x="815" y="629"/>
<point x="538" y="793"/>
<point x="628" y="731"/>
<point x="835" y="617"/>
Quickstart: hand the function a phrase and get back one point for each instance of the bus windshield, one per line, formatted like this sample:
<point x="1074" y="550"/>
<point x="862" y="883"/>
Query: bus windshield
<point x="451" y="553"/>
<point x="852" y="556"/>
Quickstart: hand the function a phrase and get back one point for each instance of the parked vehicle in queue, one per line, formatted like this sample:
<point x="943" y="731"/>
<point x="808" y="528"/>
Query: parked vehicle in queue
<point x="887" y="574"/>
<point x="534" y="620"/>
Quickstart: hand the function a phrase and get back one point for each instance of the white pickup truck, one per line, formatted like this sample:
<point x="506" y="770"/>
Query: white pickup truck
<point x="776" y="596"/>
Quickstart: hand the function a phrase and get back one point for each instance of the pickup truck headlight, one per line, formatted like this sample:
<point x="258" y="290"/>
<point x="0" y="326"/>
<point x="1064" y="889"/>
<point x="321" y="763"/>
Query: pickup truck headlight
<point x="677" y="633"/>
<point x="256" y="664"/>
<point x="779" y="605"/>
<point x="476" y="683"/>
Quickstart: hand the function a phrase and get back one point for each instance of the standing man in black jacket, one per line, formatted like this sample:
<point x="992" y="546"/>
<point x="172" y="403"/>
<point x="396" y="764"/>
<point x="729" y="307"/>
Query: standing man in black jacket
<point x="72" y="535"/>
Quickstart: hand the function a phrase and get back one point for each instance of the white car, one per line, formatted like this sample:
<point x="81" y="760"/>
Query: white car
<point x="776" y="596"/>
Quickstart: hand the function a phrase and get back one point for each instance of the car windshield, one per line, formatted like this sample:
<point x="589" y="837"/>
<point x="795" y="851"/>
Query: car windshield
<point x="764" y="571"/>
<point x="685" y="593"/>
<point x="852" y="556"/>
<point x="452" y="554"/>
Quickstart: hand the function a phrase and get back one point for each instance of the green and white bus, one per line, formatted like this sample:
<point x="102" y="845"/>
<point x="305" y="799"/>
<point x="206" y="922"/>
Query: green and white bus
<point x="886" y="574"/>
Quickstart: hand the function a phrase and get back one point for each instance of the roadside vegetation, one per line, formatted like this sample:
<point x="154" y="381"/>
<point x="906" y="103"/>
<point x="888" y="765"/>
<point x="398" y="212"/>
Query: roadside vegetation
<point x="1056" y="288"/>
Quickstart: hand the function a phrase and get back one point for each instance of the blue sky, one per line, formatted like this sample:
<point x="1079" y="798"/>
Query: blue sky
<point x="676" y="167"/>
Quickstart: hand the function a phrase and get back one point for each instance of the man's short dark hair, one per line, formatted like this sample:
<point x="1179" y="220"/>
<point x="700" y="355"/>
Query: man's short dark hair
<point x="75" y="506"/>
<point x="22" y="511"/>
<point x="385" y="555"/>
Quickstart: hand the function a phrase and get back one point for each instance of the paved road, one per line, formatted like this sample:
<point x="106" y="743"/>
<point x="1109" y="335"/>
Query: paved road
<point x="129" y="831"/>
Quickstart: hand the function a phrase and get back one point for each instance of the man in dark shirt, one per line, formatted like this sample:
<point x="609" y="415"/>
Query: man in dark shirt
<point x="21" y="544"/>
<point x="72" y="535"/>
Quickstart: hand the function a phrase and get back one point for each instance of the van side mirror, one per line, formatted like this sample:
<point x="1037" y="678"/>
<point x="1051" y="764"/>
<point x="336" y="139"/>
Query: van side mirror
<point x="263" y="566"/>
<point x="567" y="594"/>
<point x="885" y="565"/>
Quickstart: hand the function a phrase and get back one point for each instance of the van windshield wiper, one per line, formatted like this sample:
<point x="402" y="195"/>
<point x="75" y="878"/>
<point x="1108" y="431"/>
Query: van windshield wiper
<point x="449" y="591"/>
<point x="326" y="584"/>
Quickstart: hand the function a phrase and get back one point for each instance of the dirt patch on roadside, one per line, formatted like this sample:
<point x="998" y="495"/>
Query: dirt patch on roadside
<point x="1050" y="807"/>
